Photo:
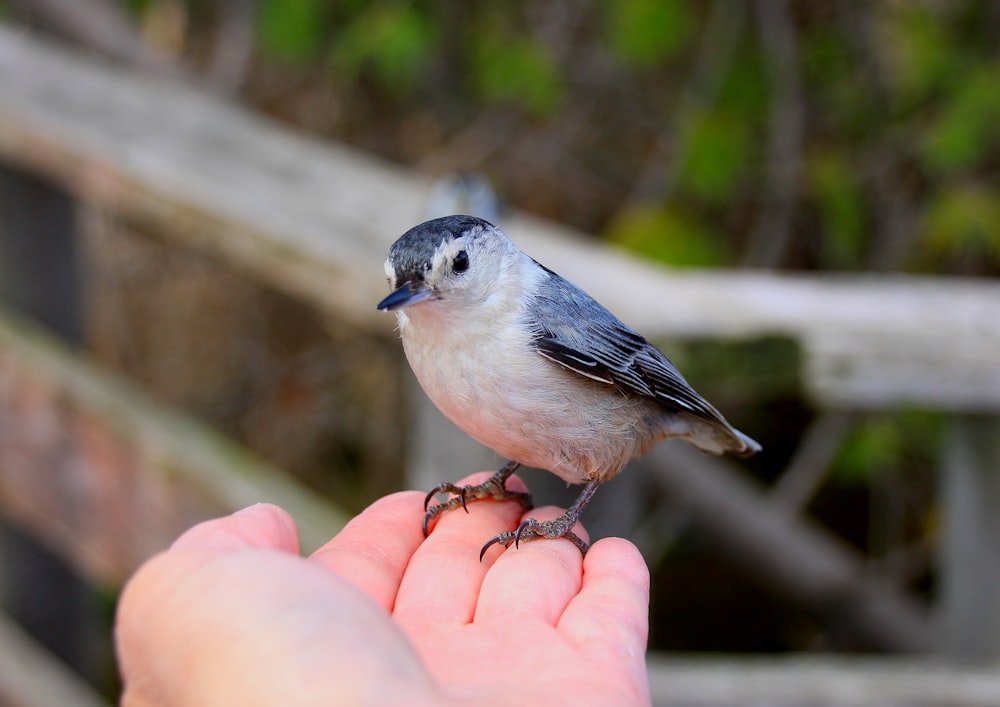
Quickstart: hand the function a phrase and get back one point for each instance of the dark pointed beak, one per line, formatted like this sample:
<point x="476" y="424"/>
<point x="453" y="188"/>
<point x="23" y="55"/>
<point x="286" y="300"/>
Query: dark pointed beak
<point x="409" y="293"/>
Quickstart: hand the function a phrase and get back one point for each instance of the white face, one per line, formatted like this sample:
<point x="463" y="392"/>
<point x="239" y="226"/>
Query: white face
<point x="451" y="268"/>
<point x="390" y="271"/>
<point x="466" y="270"/>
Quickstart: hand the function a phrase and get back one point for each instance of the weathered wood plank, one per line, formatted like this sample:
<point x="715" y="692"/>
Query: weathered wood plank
<point x="313" y="219"/>
<point x="316" y="220"/>
<point x="83" y="456"/>
<point x="970" y="541"/>
<point x="819" y="681"/>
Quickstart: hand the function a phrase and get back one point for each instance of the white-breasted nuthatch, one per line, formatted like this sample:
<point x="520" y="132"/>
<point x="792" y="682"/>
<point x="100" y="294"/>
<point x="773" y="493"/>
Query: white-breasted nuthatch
<point x="534" y="368"/>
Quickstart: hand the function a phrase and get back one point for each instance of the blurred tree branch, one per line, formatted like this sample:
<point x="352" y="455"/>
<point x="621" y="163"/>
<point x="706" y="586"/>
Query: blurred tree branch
<point x="804" y="474"/>
<point x="658" y="173"/>
<point x="232" y="47"/>
<point x="895" y="213"/>
<point x="772" y="232"/>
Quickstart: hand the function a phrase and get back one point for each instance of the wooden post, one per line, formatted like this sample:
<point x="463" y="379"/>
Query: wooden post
<point x="39" y="276"/>
<point x="38" y="253"/>
<point x="970" y="551"/>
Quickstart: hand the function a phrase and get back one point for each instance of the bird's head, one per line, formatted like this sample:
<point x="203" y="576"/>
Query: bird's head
<point x="456" y="260"/>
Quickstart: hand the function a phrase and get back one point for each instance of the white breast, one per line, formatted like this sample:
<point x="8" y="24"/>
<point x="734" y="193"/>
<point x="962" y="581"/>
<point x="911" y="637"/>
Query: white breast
<point x="480" y="369"/>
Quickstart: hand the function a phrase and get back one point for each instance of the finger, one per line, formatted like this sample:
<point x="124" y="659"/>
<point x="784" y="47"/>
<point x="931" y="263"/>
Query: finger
<point x="374" y="548"/>
<point x="144" y="620"/>
<point x="262" y="525"/>
<point x="445" y="574"/>
<point x="536" y="579"/>
<point x="190" y="620"/>
<point x="610" y="615"/>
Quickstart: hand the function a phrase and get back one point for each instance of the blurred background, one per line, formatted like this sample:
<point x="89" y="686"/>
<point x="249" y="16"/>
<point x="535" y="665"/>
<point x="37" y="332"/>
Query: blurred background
<point x="798" y="201"/>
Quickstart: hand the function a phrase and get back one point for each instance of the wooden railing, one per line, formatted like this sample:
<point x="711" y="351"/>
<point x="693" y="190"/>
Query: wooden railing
<point x="314" y="220"/>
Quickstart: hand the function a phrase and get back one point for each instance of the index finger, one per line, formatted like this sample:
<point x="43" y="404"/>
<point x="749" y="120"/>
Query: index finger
<point x="261" y="526"/>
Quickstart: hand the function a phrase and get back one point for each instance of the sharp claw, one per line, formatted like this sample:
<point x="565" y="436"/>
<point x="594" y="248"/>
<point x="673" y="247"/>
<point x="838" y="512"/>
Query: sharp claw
<point x="494" y="488"/>
<point x="525" y="524"/>
<point x="496" y="540"/>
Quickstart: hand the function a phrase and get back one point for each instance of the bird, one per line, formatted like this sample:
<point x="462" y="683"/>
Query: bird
<point x="531" y="366"/>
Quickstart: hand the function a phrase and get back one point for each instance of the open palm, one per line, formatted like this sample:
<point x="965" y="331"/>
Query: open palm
<point x="232" y="614"/>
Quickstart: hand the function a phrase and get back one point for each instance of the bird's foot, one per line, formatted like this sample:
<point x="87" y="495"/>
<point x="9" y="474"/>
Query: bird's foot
<point x="559" y="527"/>
<point x="529" y="529"/>
<point x="495" y="487"/>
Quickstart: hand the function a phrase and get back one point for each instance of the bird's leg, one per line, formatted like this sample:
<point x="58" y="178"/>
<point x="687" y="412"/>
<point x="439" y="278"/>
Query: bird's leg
<point x="559" y="527"/>
<point x="495" y="487"/>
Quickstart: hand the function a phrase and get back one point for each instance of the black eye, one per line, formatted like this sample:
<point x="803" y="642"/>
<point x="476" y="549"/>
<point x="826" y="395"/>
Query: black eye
<point x="461" y="262"/>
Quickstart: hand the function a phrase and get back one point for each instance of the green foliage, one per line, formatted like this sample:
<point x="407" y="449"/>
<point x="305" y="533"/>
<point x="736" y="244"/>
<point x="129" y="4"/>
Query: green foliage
<point x="292" y="30"/>
<point x="520" y="71"/>
<point x="888" y="440"/>
<point x="715" y="151"/>
<point x="824" y="59"/>
<point x="873" y="445"/>
<point x="840" y="202"/>
<point x="918" y="47"/>
<point x="964" y="220"/>
<point x="642" y="33"/>
<point x="669" y="235"/>
<point x="846" y="109"/>
<point x="967" y="126"/>
<point x="733" y="371"/>
<point x="135" y="7"/>
<point x="396" y="40"/>
<point x="898" y="101"/>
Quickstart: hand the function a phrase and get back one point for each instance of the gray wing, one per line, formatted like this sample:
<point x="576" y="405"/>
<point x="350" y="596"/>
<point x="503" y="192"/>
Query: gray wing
<point x="574" y="330"/>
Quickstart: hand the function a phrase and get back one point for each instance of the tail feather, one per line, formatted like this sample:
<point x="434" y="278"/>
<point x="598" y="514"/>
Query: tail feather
<point x="716" y="437"/>
<point x="750" y="446"/>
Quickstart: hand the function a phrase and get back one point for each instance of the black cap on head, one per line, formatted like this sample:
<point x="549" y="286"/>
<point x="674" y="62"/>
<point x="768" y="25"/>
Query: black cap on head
<point x="413" y="251"/>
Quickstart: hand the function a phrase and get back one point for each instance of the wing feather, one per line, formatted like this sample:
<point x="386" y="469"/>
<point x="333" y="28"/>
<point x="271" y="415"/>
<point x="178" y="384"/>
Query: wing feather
<point x="575" y="331"/>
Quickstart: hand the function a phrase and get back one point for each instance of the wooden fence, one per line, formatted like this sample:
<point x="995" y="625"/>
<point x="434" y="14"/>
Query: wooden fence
<point x="314" y="221"/>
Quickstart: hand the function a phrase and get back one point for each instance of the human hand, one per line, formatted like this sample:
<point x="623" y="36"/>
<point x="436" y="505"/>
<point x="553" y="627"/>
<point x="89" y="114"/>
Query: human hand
<point x="231" y="614"/>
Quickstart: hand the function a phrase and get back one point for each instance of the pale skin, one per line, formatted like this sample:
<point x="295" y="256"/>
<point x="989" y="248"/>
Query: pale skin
<point x="232" y="614"/>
